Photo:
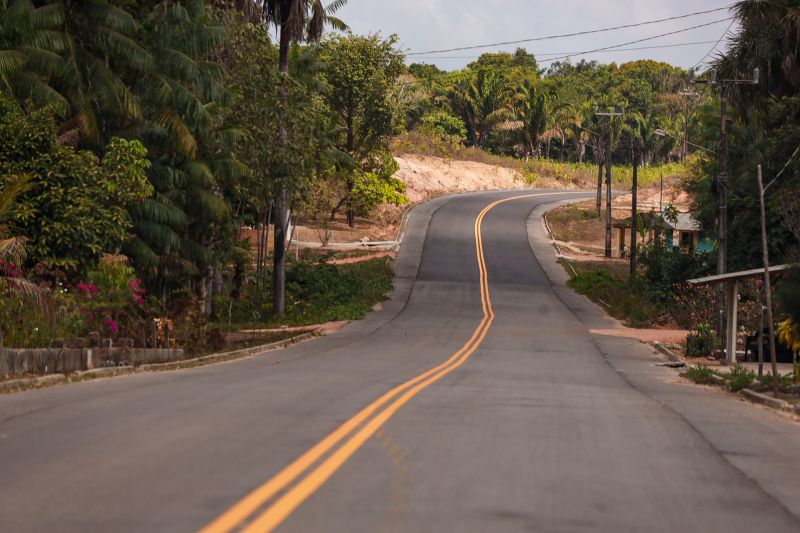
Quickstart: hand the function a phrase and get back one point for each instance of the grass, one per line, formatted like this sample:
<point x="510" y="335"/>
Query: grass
<point x="317" y="292"/>
<point x="623" y="297"/>
<point x="568" y="223"/>
<point x="702" y="375"/>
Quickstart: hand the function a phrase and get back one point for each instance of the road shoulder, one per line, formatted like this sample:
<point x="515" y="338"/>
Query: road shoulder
<point x="756" y="441"/>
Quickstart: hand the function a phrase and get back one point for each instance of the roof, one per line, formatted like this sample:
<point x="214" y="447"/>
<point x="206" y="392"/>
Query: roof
<point x="744" y="274"/>
<point x="685" y="222"/>
<point x="651" y="219"/>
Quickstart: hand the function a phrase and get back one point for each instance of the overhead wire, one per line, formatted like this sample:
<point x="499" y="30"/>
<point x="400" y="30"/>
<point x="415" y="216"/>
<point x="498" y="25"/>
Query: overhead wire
<point x="550" y="60"/>
<point x="728" y="29"/>
<point x="637" y="40"/>
<point x="538" y="55"/>
<point x="574" y="34"/>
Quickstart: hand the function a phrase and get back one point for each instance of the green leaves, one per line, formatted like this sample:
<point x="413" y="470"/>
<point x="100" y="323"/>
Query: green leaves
<point x="77" y="208"/>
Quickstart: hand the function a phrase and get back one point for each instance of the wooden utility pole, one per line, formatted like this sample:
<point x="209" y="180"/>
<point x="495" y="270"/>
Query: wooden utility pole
<point x="599" y="185"/>
<point x="722" y="185"/>
<point x="608" y="207"/>
<point x="611" y="113"/>
<point x="600" y="164"/>
<point x="634" y="212"/>
<point x="686" y="113"/>
<point x="767" y="285"/>
<point x="722" y="217"/>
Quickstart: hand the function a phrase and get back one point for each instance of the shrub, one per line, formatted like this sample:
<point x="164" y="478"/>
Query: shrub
<point x="740" y="378"/>
<point x="700" y="342"/>
<point x="626" y="299"/>
<point x="444" y="126"/>
<point x="702" y="374"/>
<point x="664" y="268"/>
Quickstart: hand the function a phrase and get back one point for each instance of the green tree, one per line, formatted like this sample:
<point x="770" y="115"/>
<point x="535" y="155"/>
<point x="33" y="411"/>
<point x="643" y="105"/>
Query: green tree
<point x="82" y="199"/>
<point x="297" y="21"/>
<point x="482" y="98"/>
<point x="361" y="72"/>
<point x="530" y="109"/>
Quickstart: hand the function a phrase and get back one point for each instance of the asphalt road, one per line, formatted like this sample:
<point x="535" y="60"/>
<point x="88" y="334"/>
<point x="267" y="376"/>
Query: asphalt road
<point x="477" y="400"/>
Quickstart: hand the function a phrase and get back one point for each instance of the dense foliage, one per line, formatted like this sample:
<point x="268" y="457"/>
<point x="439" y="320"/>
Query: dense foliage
<point x="159" y="129"/>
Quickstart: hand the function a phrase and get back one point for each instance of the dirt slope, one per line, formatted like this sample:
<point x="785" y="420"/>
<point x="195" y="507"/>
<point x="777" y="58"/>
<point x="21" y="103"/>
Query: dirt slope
<point x="430" y="176"/>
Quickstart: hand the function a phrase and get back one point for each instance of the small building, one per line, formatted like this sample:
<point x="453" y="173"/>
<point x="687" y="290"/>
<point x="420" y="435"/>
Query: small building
<point x="685" y="233"/>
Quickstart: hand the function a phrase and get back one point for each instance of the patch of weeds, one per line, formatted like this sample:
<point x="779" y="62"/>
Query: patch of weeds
<point x="700" y="342"/>
<point x="324" y="293"/>
<point x="702" y="375"/>
<point x="785" y="382"/>
<point x="740" y="378"/>
<point x="625" y="299"/>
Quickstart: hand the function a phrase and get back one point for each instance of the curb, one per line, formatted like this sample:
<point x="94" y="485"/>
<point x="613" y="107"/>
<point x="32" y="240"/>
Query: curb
<point x="103" y="372"/>
<point x="19" y="385"/>
<point x="227" y="356"/>
<point x="667" y="352"/>
<point x="401" y="229"/>
<point x="769" y="401"/>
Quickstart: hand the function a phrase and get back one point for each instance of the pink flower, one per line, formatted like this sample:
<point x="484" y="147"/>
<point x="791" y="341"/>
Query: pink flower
<point x="112" y="326"/>
<point x="137" y="291"/>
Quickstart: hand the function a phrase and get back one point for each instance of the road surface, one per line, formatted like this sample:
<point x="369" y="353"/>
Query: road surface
<point x="477" y="400"/>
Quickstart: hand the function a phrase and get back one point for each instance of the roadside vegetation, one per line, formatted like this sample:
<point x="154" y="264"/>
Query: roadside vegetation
<point x="132" y="167"/>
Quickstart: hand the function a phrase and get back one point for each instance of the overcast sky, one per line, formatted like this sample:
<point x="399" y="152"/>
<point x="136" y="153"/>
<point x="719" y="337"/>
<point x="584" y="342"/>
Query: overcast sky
<point x="425" y="25"/>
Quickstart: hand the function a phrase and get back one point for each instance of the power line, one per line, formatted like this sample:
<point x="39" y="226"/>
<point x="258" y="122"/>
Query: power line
<point x="575" y="34"/>
<point x="538" y="55"/>
<point x="637" y="41"/>
<point x="715" y="44"/>
<point x="457" y="73"/>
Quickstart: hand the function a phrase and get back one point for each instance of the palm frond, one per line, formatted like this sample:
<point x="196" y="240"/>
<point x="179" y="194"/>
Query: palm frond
<point x="12" y="188"/>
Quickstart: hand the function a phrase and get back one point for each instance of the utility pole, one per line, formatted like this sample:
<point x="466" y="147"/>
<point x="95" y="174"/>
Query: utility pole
<point x="634" y="212"/>
<point x="611" y="113"/>
<point x="722" y="186"/>
<point x="688" y="96"/>
<point x="600" y="164"/>
<point x="767" y="285"/>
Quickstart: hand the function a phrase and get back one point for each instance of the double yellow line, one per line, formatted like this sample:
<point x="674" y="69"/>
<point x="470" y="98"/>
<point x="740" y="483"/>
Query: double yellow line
<point x="362" y="426"/>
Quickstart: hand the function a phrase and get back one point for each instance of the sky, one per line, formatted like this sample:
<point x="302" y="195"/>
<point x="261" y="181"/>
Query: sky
<point x="428" y="25"/>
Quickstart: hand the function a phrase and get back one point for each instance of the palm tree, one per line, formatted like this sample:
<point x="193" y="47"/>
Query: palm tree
<point x="769" y="39"/>
<point x="297" y="21"/>
<point x="190" y="146"/>
<point x="12" y="249"/>
<point x="30" y="42"/>
<point x="483" y="100"/>
<point x="530" y="108"/>
<point x="76" y="56"/>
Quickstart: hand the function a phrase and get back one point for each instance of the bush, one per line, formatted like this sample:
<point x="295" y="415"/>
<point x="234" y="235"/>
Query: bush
<point x="702" y="375"/>
<point x="322" y="292"/>
<point x="740" y="378"/>
<point x="665" y="268"/>
<point x="700" y="342"/>
<point x="443" y="125"/>
<point x="316" y="292"/>
<point x="626" y="299"/>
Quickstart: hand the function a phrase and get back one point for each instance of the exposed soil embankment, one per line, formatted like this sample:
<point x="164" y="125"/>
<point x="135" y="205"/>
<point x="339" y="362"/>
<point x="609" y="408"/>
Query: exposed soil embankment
<point x="425" y="177"/>
<point x="431" y="176"/>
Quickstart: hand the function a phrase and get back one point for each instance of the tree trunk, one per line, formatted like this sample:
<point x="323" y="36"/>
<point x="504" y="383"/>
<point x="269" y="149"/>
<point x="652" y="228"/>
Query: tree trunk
<point x="281" y="209"/>
<point x="351" y="214"/>
<point x="337" y="207"/>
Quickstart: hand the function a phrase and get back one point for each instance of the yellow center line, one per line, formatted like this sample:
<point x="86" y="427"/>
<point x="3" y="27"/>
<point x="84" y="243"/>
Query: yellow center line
<point x="276" y="513"/>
